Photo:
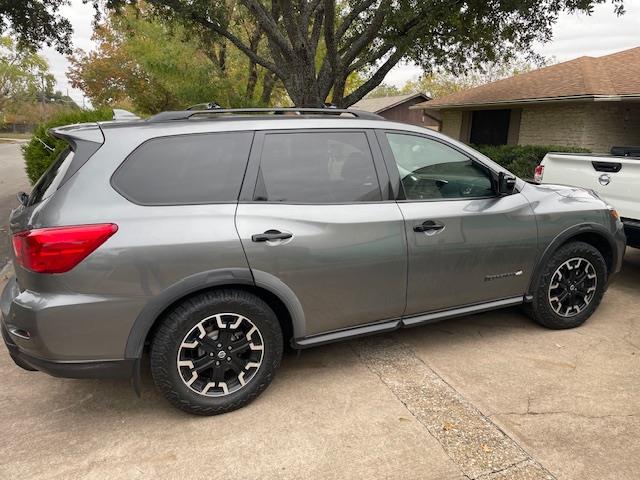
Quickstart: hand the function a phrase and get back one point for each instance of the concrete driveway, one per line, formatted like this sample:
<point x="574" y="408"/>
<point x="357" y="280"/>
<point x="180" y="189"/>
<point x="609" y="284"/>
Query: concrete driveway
<point x="13" y="179"/>
<point x="490" y="396"/>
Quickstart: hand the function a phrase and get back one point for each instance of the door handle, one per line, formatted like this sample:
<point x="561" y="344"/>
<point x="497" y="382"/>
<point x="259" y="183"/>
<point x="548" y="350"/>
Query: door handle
<point x="428" y="226"/>
<point x="270" y="235"/>
<point x="609" y="167"/>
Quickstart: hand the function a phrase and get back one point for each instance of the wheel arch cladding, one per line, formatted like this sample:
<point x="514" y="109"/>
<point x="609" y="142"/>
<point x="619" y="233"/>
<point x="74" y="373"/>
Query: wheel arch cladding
<point x="590" y="233"/>
<point x="275" y="293"/>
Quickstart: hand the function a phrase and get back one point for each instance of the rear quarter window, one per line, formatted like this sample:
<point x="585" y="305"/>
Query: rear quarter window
<point x="185" y="169"/>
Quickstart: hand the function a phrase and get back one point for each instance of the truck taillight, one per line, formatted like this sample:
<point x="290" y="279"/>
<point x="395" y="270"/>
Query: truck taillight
<point x="537" y="174"/>
<point x="59" y="249"/>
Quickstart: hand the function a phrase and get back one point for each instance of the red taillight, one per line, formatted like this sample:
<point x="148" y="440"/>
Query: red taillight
<point x="59" y="249"/>
<point x="537" y="174"/>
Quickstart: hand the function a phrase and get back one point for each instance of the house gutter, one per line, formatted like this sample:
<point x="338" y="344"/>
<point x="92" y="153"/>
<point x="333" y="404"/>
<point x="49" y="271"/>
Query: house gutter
<point x="529" y="101"/>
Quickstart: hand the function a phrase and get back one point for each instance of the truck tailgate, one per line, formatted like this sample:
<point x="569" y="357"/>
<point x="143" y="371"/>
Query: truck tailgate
<point x="615" y="179"/>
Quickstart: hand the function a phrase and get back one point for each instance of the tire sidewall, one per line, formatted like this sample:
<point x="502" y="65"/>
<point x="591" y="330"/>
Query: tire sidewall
<point x="543" y="312"/>
<point x="164" y="352"/>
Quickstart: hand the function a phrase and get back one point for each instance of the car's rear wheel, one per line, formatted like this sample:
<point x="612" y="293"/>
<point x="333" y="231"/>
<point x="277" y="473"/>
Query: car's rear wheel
<point x="570" y="286"/>
<point x="216" y="351"/>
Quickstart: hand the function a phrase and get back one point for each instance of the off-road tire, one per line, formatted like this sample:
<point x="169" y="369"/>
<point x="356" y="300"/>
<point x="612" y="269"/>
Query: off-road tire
<point x="541" y="310"/>
<point x="182" y="318"/>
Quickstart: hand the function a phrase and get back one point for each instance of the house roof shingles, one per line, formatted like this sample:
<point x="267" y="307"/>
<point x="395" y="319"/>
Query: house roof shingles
<point x="617" y="74"/>
<point x="380" y="104"/>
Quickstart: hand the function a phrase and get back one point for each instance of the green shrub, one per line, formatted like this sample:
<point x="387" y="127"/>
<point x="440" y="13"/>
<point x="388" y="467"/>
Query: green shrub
<point x="521" y="160"/>
<point x="37" y="156"/>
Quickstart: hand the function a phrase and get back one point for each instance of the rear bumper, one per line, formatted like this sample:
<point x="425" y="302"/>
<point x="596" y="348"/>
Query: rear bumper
<point x="23" y="350"/>
<point x="632" y="231"/>
<point x="93" y="369"/>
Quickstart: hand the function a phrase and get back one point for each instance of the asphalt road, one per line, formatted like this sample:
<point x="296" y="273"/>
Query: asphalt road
<point x="13" y="179"/>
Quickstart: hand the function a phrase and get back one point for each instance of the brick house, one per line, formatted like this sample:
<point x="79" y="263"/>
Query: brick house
<point x="397" y="109"/>
<point x="590" y="102"/>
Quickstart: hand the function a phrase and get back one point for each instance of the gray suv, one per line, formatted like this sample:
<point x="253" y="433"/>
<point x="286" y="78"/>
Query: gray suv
<point x="211" y="239"/>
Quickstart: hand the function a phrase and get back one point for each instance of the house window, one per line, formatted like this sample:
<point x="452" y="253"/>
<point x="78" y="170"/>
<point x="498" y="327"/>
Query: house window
<point x="490" y="127"/>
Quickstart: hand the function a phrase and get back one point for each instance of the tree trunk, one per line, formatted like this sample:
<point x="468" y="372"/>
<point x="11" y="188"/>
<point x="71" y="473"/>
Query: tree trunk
<point x="254" y="42"/>
<point x="268" y="83"/>
<point x="251" y="81"/>
<point x="337" y="97"/>
<point x="303" y="89"/>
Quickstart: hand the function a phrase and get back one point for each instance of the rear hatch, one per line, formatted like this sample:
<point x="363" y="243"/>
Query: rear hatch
<point x="83" y="141"/>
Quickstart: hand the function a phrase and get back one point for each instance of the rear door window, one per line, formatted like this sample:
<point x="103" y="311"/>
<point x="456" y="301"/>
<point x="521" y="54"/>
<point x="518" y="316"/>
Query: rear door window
<point x="185" y="169"/>
<point x="317" y="167"/>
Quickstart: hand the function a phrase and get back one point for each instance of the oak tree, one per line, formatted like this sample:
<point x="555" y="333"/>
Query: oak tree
<point x="315" y="45"/>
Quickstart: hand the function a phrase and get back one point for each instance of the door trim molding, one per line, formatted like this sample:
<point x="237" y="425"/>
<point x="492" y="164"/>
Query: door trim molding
<point x="348" y="333"/>
<point x="394" y="324"/>
<point x="432" y="317"/>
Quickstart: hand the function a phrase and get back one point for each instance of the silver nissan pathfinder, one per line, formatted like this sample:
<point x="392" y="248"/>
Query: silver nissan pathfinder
<point x="213" y="238"/>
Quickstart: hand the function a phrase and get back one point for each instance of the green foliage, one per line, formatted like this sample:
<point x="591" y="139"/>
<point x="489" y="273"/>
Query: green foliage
<point x="37" y="157"/>
<point x="385" y="90"/>
<point x="440" y="83"/>
<point x="521" y="160"/>
<point x="150" y="64"/>
<point x="369" y="37"/>
<point x="24" y="74"/>
<point x="35" y="22"/>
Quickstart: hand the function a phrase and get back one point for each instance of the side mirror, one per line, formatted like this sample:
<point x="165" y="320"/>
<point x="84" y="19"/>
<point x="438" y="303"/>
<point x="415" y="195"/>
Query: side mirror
<point x="506" y="184"/>
<point x="23" y="198"/>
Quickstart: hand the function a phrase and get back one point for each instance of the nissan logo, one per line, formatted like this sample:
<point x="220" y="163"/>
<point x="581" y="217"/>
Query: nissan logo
<point x="604" y="179"/>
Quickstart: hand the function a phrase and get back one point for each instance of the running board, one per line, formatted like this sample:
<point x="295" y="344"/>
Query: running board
<point x="459" y="312"/>
<point x="391" y="325"/>
<point x="346" y="334"/>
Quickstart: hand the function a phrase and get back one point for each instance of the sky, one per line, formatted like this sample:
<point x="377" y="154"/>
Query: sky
<point x="573" y="36"/>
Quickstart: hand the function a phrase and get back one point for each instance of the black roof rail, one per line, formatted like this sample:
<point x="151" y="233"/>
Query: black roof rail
<point x="187" y="114"/>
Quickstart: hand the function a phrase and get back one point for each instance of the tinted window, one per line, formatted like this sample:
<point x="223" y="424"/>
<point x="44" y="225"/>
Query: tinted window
<point x="50" y="180"/>
<point x="432" y="170"/>
<point x="318" y="167"/>
<point x="185" y="169"/>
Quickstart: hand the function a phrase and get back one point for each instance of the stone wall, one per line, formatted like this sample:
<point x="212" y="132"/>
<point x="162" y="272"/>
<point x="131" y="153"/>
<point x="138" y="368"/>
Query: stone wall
<point x="452" y="123"/>
<point x="595" y="125"/>
<point x="611" y="124"/>
<point x="553" y="125"/>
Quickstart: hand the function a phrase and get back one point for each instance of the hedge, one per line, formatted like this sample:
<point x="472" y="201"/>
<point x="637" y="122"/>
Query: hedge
<point x="37" y="156"/>
<point x="522" y="160"/>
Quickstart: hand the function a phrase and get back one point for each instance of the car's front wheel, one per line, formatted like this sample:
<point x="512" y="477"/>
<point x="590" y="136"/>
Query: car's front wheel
<point x="570" y="286"/>
<point x="216" y="351"/>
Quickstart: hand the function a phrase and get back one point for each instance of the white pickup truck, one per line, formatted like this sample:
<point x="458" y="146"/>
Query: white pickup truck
<point x="616" y="179"/>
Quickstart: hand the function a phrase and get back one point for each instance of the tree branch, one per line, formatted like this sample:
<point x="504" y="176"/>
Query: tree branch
<point x="330" y="64"/>
<point x="316" y="30"/>
<point x="240" y="45"/>
<point x="294" y="30"/>
<point x="376" y="79"/>
<point x="308" y="10"/>
<point x="370" y="59"/>
<point x="269" y="25"/>
<point x="368" y="35"/>
<point x="352" y="15"/>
